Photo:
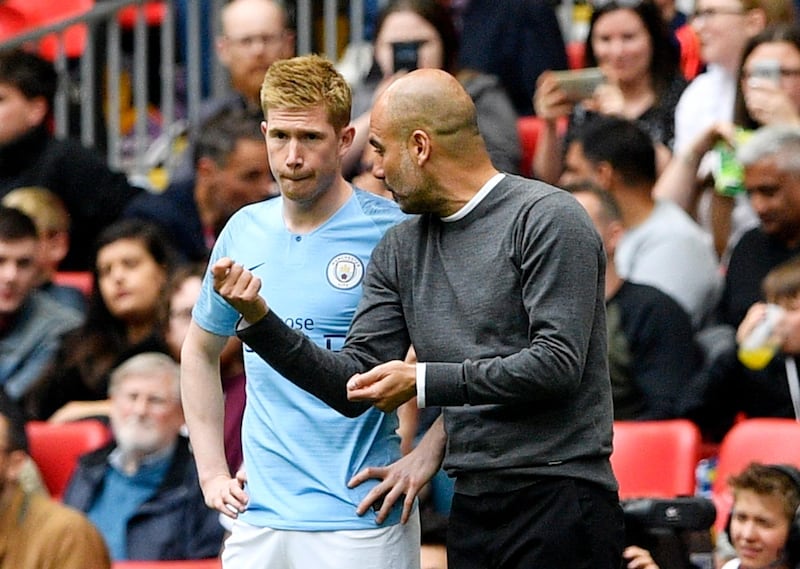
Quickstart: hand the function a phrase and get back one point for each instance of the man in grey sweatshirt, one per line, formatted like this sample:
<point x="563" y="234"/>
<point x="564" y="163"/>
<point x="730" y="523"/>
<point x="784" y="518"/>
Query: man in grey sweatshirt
<point x="498" y="284"/>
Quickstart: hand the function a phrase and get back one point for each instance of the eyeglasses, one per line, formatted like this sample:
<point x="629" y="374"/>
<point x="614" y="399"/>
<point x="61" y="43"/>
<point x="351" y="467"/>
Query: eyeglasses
<point x="260" y="40"/>
<point x="714" y="12"/>
<point x="772" y="75"/>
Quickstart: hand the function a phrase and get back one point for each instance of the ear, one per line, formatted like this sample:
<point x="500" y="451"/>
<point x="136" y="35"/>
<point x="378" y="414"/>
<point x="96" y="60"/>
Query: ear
<point x="420" y="146"/>
<point x="223" y="51"/>
<point x="614" y="231"/>
<point x="755" y="21"/>
<point x="346" y="137"/>
<point x="16" y="462"/>
<point x="205" y="168"/>
<point x="605" y="175"/>
<point x="37" y="110"/>
<point x="58" y="246"/>
<point x="264" y="129"/>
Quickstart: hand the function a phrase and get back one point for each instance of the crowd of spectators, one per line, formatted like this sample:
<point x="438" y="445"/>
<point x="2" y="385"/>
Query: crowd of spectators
<point x="692" y="182"/>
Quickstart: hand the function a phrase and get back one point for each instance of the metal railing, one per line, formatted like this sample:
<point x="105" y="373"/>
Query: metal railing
<point x="96" y="85"/>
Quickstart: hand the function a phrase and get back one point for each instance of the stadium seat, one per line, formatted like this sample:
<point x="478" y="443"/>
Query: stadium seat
<point x="765" y="440"/>
<point x="38" y="13"/>
<point x="153" y="14"/>
<point x="82" y="280"/>
<point x="55" y="448"/>
<point x="655" y="459"/>
<point x="576" y="55"/>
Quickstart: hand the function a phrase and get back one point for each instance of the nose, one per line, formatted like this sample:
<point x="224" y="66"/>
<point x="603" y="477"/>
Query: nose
<point x="140" y="405"/>
<point x="294" y="157"/>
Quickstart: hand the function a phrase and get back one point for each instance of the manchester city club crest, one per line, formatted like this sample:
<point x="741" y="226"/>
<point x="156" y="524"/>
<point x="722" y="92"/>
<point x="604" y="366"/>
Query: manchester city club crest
<point x="345" y="271"/>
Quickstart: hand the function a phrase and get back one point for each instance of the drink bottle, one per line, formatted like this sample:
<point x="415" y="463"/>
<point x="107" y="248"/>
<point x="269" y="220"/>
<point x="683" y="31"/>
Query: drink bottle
<point x="760" y="346"/>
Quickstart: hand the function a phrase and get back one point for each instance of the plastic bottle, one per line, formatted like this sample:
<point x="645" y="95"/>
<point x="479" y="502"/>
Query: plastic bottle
<point x="760" y="346"/>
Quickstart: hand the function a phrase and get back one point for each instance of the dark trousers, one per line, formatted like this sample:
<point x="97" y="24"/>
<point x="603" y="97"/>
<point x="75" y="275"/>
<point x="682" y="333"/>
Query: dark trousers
<point x="556" y="523"/>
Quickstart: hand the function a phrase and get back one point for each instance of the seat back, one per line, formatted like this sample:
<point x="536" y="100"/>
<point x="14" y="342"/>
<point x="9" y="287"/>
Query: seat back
<point x="82" y="280"/>
<point x="55" y="448"/>
<point x="38" y="13"/>
<point x="765" y="440"/>
<point x="188" y="564"/>
<point x="655" y="459"/>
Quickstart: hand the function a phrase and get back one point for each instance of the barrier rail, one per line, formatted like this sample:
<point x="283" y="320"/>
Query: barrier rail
<point x="105" y="92"/>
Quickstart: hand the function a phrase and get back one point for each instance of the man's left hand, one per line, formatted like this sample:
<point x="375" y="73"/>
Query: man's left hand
<point x="387" y="385"/>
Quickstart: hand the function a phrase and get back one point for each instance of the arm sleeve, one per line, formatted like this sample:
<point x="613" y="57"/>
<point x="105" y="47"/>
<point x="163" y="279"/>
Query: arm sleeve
<point x="377" y="334"/>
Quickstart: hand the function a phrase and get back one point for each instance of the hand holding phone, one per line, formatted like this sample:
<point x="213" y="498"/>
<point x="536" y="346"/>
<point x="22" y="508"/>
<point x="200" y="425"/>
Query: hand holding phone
<point x="579" y="84"/>
<point x="405" y="55"/>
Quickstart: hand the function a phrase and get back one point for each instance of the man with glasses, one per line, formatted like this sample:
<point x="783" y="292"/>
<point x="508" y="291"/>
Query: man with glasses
<point x="254" y="35"/>
<point x="35" y="531"/>
<point x="723" y="28"/>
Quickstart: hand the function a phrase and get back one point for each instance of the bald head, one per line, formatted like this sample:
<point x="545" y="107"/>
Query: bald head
<point x="429" y="152"/>
<point x="432" y="100"/>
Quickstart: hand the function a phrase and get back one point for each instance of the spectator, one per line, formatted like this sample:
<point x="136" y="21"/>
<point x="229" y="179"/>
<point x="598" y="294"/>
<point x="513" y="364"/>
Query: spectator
<point x="650" y="347"/>
<point x="181" y="296"/>
<point x="514" y="40"/>
<point x="312" y="246"/>
<point x="760" y="100"/>
<point x="35" y="531"/>
<point x="498" y="284"/>
<point x="772" y="179"/>
<point x="724" y="27"/>
<point x="639" y="58"/>
<point x="229" y="172"/>
<point x="30" y="156"/>
<point x="141" y="490"/>
<point x="51" y="218"/>
<point x="730" y="387"/>
<point x="763" y="523"/>
<point x="662" y="246"/>
<point x="254" y="34"/>
<point x="430" y="23"/>
<point x="132" y="265"/>
<point x="32" y="324"/>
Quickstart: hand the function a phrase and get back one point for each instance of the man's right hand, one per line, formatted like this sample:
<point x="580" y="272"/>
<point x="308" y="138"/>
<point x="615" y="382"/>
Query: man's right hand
<point x="239" y="287"/>
<point x="226" y="494"/>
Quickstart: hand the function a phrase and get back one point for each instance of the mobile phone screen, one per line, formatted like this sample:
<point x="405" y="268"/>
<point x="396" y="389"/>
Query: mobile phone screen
<point x="405" y="55"/>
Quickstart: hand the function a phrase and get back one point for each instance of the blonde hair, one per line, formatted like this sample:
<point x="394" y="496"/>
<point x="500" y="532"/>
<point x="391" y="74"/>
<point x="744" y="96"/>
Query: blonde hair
<point x="307" y="81"/>
<point x="44" y="207"/>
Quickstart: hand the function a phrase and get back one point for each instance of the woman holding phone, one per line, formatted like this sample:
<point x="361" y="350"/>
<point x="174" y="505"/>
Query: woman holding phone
<point x="413" y="34"/>
<point x="634" y="49"/>
<point x="767" y="93"/>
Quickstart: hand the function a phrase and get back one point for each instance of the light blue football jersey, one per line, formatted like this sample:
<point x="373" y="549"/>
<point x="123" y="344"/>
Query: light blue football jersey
<point x="298" y="452"/>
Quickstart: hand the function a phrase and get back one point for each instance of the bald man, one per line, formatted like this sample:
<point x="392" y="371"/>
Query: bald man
<point x="255" y="34"/>
<point x="498" y="283"/>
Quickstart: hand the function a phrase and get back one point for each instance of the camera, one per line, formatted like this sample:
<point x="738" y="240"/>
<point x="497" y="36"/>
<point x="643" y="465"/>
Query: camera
<point x="674" y="530"/>
<point x="405" y="55"/>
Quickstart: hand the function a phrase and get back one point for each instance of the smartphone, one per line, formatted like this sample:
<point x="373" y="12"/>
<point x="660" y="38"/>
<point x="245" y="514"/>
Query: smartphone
<point x="405" y="54"/>
<point x="765" y="70"/>
<point x="579" y="84"/>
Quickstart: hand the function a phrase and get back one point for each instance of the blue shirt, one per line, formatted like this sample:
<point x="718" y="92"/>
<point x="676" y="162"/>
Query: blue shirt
<point x="298" y="452"/>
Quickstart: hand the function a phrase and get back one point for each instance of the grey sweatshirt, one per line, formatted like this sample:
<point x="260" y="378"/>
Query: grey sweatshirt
<point x="506" y="308"/>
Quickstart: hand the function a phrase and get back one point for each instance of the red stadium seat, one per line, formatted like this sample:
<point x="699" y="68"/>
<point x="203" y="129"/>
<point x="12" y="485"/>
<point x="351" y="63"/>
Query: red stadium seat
<point x="765" y="440"/>
<point x="655" y="459"/>
<point x="82" y="280"/>
<point x="55" y="448"/>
